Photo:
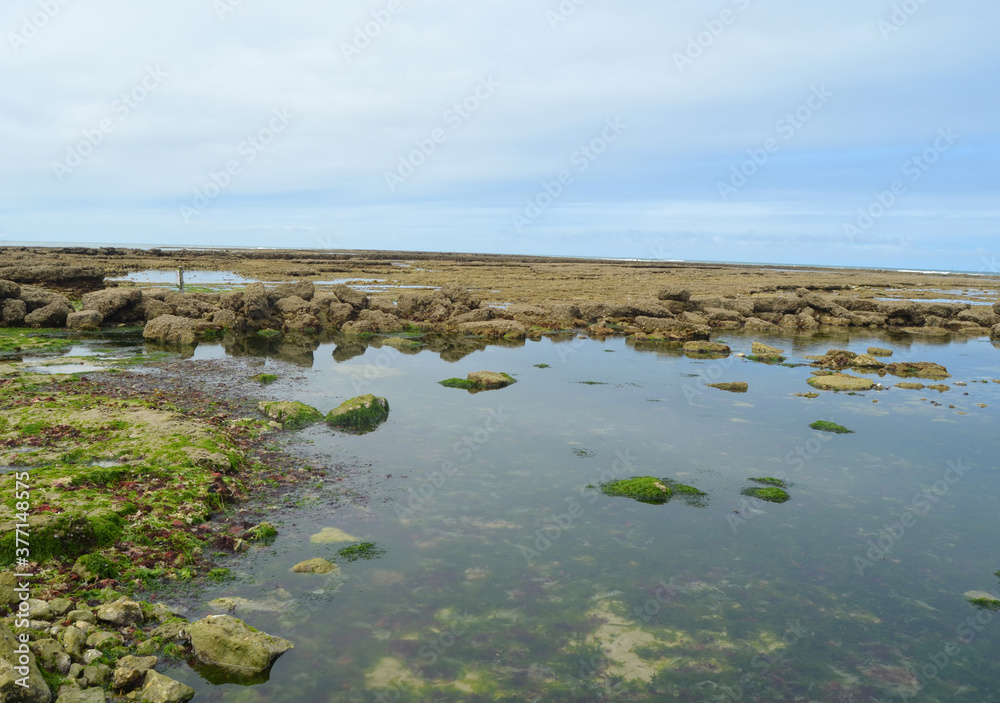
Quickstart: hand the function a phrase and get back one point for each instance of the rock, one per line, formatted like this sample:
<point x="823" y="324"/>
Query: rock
<point x="9" y="289"/>
<point x="290" y="414"/>
<point x="74" y="640"/>
<point x="36" y="298"/>
<point x="114" y="304"/>
<point x="225" y="319"/>
<point x="37" y="691"/>
<point x="69" y="694"/>
<point x="304" y="290"/>
<point x="346" y="294"/>
<point x="866" y="361"/>
<point x="131" y="670"/>
<point x="51" y="655"/>
<point x="91" y="655"/>
<point x="60" y="606"/>
<point x="52" y="315"/>
<point x="732" y="387"/>
<point x="508" y="329"/>
<point x="158" y="688"/>
<point x="39" y="610"/>
<point x="840" y="382"/>
<point x="100" y="640"/>
<point x="995" y="332"/>
<point x="707" y="348"/>
<point x="122" y="612"/>
<point x="76" y="279"/>
<point x="332" y="535"/>
<point x="878" y="351"/>
<point x="169" y="631"/>
<point x="153" y="309"/>
<point x="919" y="369"/>
<point x="228" y="644"/>
<point x="681" y="295"/>
<point x="171" y="329"/>
<point x="762" y="350"/>
<point x="95" y="675"/>
<point x="319" y="565"/>
<point x="373" y="321"/>
<point x="84" y="320"/>
<point x="755" y="324"/>
<point x="291" y="305"/>
<point x="489" y="380"/>
<point x="982" y="315"/>
<point x="255" y="303"/>
<point x="362" y="414"/>
<point x="13" y="312"/>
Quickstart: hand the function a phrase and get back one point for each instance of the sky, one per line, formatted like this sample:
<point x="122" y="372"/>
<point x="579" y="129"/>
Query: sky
<point x="836" y="132"/>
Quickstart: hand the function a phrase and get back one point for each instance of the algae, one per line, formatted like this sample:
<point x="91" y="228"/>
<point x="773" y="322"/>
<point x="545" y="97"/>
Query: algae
<point x="826" y="426"/>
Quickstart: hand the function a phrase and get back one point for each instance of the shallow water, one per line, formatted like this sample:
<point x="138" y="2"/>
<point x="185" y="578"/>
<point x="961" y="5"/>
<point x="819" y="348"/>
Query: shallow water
<point x="507" y="577"/>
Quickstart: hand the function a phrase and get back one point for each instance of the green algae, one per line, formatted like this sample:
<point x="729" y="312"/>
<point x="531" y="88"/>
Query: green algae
<point x="18" y="339"/>
<point x="825" y="426"/>
<point x="290" y="413"/>
<point x="770" y="494"/>
<point x="363" y="550"/>
<point x="262" y="532"/>
<point x="265" y="379"/>
<point x="480" y="381"/>
<point x="655" y="491"/>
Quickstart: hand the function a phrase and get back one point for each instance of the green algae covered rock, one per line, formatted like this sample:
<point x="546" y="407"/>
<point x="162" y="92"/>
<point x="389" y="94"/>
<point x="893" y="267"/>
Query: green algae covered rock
<point x="232" y="649"/>
<point x="290" y="413"/>
<point x="825" y="426"/>
<point x="480" y="381"/>
<point x="655" y="491"/>
<point x="360" y="415"/>
<point x="731" y="386"/>
<point x="770" y="489"/>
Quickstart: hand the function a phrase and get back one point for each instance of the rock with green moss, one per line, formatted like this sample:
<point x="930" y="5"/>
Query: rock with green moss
<point x="233" y="649"/>
<point x="648" y="489"/>
<point x="359" y="415"/>
<point x="262" y="532"/>
<point x="95" y="567"/>
<point x="290" y="413"/>
<point x="702" y="349"/>
<point x="918" y="369"/>
<point x="840" y="382"/>
<point x="480" y="381"/>
<point x="265" y="378"/>
<point x="770" y="489"/>
<point x="731" y="386"/>
<point x="121" y="613"/>
<point x="825" y="426"/>
<point x="157" y="688"/>
<point x="765" y="352"/>
<point x="130" y="671"/>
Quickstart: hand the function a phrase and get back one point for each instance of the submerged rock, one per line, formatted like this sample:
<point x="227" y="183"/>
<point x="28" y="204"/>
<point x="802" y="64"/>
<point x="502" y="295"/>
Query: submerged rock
<point x="290" y="413"/>
<point x="841" y="382"/>
<point x="330" y="535"/>
<point x="319" y="565"/>
<point x="480" y="381"/>
<point x="732" y="387"/>
<point x="361" y="415"/>
<point x="229" y="645"/>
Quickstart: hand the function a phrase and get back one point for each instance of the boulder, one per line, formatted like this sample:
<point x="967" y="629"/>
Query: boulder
<point x="489" y="380"/>
<point x="866" y="361"/>
<point x="508" y="329"/>
<point x="677" y="330"/>
<point x="35" y="298"/>
<point x="121" y="613"/>
<point x="290" y="413"/>
<point x="114" y="304"/>
<point x="879" y="351"/>
<point x="995" y="332"/>
<point x="346" y="294"/>
<point x="361" y="415"/>
<point x="460" y="296"/>
<point x="13" y="312"/>
<point x="226" y="643"/>
<point x="51" y="655"/>
<point x="9" y="289"/>
<point x="68" y="694"/>
<point x="233" y="301"/>
<point x="153" y="309"/>
<point x="996" y="308"/>
<point x="37" y="691"/>
<point x="131" y="671"/>
<point x="918" y="369"/>
<point x="256" y="305"/>
<point x="304" y="290"/>
<point x="95" y="675"/>
<point x="373" y="321"/>
<point x="982" y="315"/>
<point x="84" y="320"/>
<point x="755" y="324"/>
<point x="172" y="330"/>
<point x="52" y="315"/>
<point x="758" y="349"/>
<point x="706" y="348"/>
<point x="158" y="688"/>
<point x="291" y="305"/>
<point x="225" y="318"/>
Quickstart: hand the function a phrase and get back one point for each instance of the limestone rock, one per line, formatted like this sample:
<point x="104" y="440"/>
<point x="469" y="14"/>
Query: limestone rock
<point x="758" y="349"/>
<point x="840" y="382"/>
<point x="9" y="289"/>
<point x="122" y="612"/>
<point x="13" y="312"/>
<point x="114" y="304"/>
<point x="291" y="414"/>
<point x="171" y="329"/>
<point x="84" y="320"/>
<point x="131" y="670"/>
<point x="52" y="315"/>
<point x="878" y="351"/>
<point x="158" y="688"/>
<point x="681" y="295"/>
<point x="319" y="565"/>
<point x="227" y="643"/>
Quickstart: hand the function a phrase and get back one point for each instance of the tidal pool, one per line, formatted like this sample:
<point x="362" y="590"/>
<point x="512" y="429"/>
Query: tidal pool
<point x="506" y="576"/>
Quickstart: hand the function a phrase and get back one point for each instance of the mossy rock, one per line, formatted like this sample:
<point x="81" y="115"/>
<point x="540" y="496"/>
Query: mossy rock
<point x="911" y="386"/>
<point x="762" y="350"/>
<point x="825" y="426"/>
<point x="290" y="413"/>
<point x="879" y="351"/>
<point x="648" y="489"/>
<point x="359" y="415"/>
<point x="732" y="387"/>
<point x="771" y="494"/>
<point x="480" y="381"/>
<point x="66" y="534"/>
<point x="765" y="359"/>
<point x="706" y="350"/>
<point x="841" y="382"/>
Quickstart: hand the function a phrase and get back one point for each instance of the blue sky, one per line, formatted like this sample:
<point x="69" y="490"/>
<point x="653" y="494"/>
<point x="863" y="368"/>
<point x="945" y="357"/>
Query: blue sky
<point x="855" y="132"/>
